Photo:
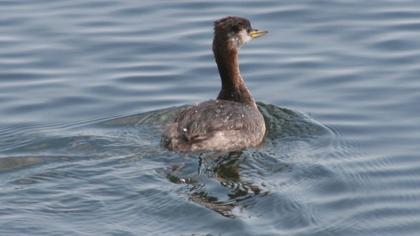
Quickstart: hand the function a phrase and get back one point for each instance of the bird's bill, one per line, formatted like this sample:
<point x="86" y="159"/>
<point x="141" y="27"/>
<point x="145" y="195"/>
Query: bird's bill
<point x="257" y="33"/>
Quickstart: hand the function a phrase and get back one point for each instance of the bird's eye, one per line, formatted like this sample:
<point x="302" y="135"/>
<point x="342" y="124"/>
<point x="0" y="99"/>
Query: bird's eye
<point x="235" y="28"/>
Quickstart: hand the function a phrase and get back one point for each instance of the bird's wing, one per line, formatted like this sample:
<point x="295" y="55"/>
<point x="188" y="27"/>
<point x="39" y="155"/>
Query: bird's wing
<point x="203" y="120"/>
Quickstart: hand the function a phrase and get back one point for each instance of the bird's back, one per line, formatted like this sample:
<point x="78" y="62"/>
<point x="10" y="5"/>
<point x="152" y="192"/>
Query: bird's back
<point x="215" y="125"/>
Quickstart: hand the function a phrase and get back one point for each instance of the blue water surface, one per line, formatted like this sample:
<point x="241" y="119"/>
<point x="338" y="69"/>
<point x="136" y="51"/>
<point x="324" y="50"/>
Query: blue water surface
<point x="86" y="87"/>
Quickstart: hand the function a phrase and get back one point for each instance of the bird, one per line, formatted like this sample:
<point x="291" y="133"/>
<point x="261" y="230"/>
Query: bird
<point x="232" y="122"/>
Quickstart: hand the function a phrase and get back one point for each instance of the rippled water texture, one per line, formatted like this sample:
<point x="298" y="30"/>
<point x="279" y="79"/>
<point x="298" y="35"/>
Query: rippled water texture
<point x="87" y="86"/>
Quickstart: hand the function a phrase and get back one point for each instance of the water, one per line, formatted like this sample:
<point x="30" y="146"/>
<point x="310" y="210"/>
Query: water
<point x="87" y="86"/>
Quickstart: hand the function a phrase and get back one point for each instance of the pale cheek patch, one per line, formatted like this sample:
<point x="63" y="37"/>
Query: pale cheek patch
<point x="245" y="38"/>
<point x="240" y="38"/>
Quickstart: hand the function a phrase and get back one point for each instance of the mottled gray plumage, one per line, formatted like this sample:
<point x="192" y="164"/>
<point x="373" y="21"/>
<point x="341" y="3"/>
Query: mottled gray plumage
<point x="233" y="121"/>
<point x="216" y="125"/>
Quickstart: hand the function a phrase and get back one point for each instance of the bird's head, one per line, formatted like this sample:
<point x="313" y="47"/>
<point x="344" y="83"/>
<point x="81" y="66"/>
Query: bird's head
<point x="235" y="31"/>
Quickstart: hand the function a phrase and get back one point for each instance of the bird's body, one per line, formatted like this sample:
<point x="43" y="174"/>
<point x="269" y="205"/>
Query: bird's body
<point x="216" y="125"/>
<point x="233" y="121"/>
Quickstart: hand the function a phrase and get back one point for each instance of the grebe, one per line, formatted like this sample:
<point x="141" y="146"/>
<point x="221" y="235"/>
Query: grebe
<point x="233" y="121"/>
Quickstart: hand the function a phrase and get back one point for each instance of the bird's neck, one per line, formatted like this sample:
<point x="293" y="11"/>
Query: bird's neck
<point x="233" y="86"/>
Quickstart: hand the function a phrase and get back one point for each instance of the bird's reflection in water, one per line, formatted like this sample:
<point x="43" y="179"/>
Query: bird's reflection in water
<point x="218" y="185"/>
